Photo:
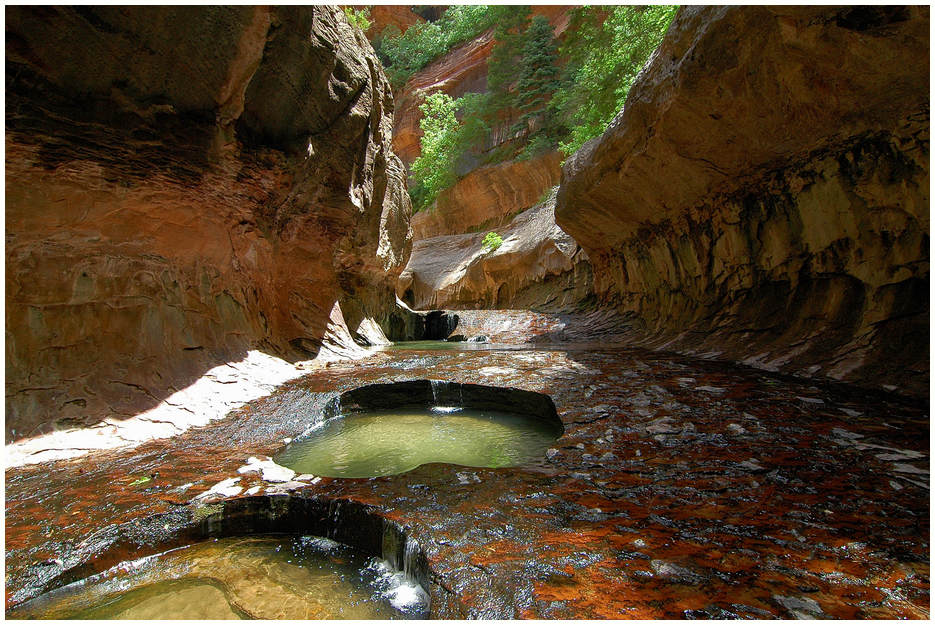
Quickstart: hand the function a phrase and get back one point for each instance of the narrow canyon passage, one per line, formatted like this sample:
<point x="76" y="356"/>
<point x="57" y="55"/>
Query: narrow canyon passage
<point x="467" y="311"/>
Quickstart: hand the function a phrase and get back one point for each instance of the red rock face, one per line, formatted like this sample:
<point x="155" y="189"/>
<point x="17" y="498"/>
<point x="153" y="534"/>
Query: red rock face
<point x="488" y="197"/>
<point x="183" y="184"/>
<point x="763" y="195"/>
<point x="383" y="15"/>
<point x="462" y="70"/>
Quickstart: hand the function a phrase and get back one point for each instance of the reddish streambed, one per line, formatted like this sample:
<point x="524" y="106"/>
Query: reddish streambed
<point x="680" y="488"/>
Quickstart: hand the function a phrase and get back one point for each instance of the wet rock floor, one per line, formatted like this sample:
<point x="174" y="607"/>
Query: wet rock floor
<point x="681" y="488"/>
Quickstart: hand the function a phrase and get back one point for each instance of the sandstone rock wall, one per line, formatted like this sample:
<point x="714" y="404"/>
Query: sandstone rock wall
<point x="763" y="195"/>
<point x="537" y="267"/>
<point x="383" y="15"/>
<point x="183" y="183"/>
<point x="488" y="197"/>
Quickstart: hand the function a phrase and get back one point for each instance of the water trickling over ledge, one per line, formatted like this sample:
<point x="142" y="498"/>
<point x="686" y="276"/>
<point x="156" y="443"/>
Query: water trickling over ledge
<point x="387" y="429"/>
<point x="268" y="558"/>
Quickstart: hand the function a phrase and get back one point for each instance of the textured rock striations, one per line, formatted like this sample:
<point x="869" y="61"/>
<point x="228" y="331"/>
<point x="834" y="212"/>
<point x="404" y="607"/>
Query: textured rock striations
<point x="488" y="197"/>
<point x="383" y="15"/>
<point x="537" y="267"/>
<point x="763" y="195"/>
<point x="184" y="183"/>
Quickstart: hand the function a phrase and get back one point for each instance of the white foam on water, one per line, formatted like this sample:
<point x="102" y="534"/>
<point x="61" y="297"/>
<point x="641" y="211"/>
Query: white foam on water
<point x="403" y="594"/>
<point x="446" y="409"/>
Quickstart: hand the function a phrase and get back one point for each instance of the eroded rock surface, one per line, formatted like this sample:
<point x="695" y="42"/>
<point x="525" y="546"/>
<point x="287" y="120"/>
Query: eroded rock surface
<point x="537" y="267"/>
<point x="383" y="15"/>
<point x="183" y="184"/>
<point x="488" y="197"/>
<point x="763" y="195"/>
<point x="769" y="498"/>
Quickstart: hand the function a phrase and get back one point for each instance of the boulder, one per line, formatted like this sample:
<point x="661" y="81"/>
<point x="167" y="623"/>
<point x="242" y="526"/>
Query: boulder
<point x="763" y="195"/>
<point x="183" y="184"/>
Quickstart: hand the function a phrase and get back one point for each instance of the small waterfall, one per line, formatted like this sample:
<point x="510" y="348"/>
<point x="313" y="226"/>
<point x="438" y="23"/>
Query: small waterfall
<point x="334" y="514"/>
<point x="403" y="554"/>
<point x="410" y="553"/>
<point x="407" y="575"/>
<point x="436" y="387"/>
<point x="439" y="388"/>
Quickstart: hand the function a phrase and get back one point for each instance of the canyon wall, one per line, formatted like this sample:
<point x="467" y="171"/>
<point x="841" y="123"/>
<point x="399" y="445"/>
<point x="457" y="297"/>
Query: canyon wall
<point x="537" y="267"/>
<point x="448" y="267"/>
<point x="488" y="197"/>
<point x="764" y="194"/>
<point x="184" y="184"/>
<point x="461" y="70"/>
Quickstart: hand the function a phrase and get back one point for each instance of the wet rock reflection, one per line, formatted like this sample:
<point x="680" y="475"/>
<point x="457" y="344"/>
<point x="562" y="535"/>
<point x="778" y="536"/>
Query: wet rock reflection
<point x="659" y="501"/>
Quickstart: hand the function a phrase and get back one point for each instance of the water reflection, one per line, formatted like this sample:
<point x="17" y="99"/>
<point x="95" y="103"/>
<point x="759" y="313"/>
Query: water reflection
<point x="388" y="442"/>
<point x="258" y="577"/>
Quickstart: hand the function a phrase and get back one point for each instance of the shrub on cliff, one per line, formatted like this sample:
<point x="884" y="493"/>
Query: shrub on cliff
<point x="445" y="140"/>
<point x="491" y="241"/>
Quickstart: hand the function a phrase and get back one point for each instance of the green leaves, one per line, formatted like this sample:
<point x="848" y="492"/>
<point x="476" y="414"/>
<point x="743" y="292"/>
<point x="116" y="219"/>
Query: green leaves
<point x="491" y="241"/>
<point x="604" y="50"/>
<point x="445" y="141"/>
<point x="360" y="19"/>
<point x="405" y="54"/>
<point x="604" y="59"/>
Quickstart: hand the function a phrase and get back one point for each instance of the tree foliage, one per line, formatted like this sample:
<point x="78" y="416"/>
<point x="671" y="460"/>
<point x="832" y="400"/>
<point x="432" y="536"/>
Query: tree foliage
<point x="562" y="97"/>
<point x="404" y="54"/>
<point x="538" y="80"/>
<point x="604" y="58"/>
<point x="360" y="19"/>
<point x="446" y="139"/>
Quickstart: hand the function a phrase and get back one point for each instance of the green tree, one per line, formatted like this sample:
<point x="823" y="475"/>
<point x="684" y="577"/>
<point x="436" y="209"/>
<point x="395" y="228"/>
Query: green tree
<point x="538" y="80"/>
<point x="445" y="141"/>
<point x="360" y="19"/>
<point x="606" y="48"/>
<point x="501" y="64"/>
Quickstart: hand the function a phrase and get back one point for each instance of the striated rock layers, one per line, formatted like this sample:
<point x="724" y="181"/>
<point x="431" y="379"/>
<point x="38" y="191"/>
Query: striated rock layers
<point x="182" y="184"/>
<point x="763" y="195"/>
<point x="537" y="267"/>
<point x="383" y="15"/>
<point x="488" y="197"/>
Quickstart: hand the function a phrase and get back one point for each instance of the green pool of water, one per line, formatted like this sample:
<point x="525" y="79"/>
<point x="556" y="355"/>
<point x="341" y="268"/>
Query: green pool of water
<point x="258" y="577"/>
<point x="388" y="442"/>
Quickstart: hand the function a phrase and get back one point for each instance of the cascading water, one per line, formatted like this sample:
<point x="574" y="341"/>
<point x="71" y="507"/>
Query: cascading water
<point x="403" y="572"/>
<point x="439" y="389"/>
<point x="264" y="577"/>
